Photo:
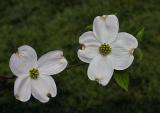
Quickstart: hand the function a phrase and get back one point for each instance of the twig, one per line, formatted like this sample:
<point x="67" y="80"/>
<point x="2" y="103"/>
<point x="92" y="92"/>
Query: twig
<point x="75" y="65"/>
<point x="6" y="78"/>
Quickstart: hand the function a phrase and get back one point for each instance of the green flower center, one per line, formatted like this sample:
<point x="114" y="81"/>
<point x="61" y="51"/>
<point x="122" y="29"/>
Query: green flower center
<point x="104" y="49"/>
<point x="34" y="73"/>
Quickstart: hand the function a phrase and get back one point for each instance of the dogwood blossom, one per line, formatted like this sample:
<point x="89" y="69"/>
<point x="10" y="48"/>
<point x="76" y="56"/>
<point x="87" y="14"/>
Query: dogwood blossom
<point x="105" y="49"/>
<point x="33" y="76"/>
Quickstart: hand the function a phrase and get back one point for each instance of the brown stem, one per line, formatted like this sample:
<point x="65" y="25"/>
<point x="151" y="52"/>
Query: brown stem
<point x="69" y="67"/>
<point x="75" y="65"/>
<point x="6" y="78"/>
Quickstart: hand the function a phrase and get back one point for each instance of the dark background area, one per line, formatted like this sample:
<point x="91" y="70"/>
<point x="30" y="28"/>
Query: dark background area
<point x="57" y="24"/>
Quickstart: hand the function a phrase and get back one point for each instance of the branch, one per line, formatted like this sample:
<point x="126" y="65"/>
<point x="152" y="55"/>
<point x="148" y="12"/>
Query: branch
<point x="75" y="65"/>
<point x="6" y="78"/>
<point x="69" y="67"/>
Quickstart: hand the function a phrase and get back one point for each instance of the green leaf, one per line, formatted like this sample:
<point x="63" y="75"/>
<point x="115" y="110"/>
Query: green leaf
<point x="89" y="27"/>
<point x="122" y="80"/>
<point x="115" y="13"/>
<point x="138" y="54"/>
<point x="140" y="34"/>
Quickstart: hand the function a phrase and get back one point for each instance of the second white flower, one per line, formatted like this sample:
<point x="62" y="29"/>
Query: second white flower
<point x="105" y="49"/>
<point x="34" y="75"/>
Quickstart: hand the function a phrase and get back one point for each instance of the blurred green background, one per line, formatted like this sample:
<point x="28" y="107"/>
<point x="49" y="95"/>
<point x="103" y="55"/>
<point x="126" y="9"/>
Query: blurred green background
<point x="57" y="24"/>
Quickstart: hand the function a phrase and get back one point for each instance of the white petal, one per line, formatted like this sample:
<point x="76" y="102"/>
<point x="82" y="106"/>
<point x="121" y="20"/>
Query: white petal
<point x="121" y="62"/>
<point x="100" y="69"/>
<point x="43" y="87"/>
<point x="52" y="85"/>
<point x="88" y="38"/>
<point x="22" y="61"/>
<point x="122" y="51"/>
<point x="52" y="63"/>
<point x="22" y="88"/>
<point x="125" y="40"/>
<point x="106" y="28"/>
<point x="89" y="47"/>
<point x="87" y="54"/>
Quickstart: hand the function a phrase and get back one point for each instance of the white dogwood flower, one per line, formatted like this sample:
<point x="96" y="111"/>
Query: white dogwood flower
<point x="106" y="49"/>
<point x="34" y="75"/>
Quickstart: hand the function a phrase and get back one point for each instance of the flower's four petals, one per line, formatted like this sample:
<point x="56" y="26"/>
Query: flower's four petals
<point x="22" y="61"/>
<point x="22" y="88"/>
<point x="43" y="88"/>
<point x="106" y="28"/>
<point x="52" y="63"/>
<point x="122" y="51"/>
<point x="100" y="70"/>
<point x="89" y="47"/>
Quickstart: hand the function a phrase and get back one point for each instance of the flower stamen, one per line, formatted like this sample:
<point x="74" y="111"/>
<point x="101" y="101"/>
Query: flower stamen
<point x="34" y="73"/>
<point x="104" y="49"/>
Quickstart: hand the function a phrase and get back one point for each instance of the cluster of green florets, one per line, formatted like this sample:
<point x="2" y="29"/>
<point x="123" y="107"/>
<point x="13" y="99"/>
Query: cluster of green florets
<point x="104" y="49"/>
<point x="34" y="73"/>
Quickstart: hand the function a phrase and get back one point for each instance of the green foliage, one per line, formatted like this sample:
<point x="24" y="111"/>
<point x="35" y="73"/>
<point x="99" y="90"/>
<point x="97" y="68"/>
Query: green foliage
<point x="140" y="34"/>
<point x="138" y="54"/>
<point x="57" y="24"/>
<point x="122" y="80"/>
<point x="89" y="27"/>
